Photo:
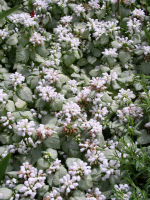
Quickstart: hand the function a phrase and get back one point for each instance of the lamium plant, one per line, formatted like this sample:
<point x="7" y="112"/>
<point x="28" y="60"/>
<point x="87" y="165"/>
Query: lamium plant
<point x="74" y="100"/>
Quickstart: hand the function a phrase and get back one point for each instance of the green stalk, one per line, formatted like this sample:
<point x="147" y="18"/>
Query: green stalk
<point x="119" y="8"/>
<point x="6" y="13"/>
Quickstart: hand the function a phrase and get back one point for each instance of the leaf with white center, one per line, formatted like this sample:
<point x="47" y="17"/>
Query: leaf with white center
<point x="52" y="152"/>
<point x="58" y="175"/>
<point x="70" y="161"/>
<point x="12" y="40"/>
<point x="10" y="106"/>
<point x="42" y="164"/>
<point x="69" y="59"/>
<point x="86" y="183"/>
<point x="22" y="54"/>
<point x="5" y="193"/>
<point x="124" y="57"/>
<point x="25" y="94"/>
<point x="52" y="141"/>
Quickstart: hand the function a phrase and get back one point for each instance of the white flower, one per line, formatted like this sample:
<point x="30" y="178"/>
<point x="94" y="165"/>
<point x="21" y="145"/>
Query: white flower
<point x="99" y="112"/>
<point x="7" y="120"/>
<point x="79" y="168"/>
<point x="94" y="4"/>
<point x="54" y="166"/>
<point x="50" y="74"/>
<point x="24" y="146"/>
<point x="3" y="33"/>
<point x="69" y="183"/>
<point x="22" y="18"/>
<point x="123" y="41"/>
<point x="123" y="189"/>
<point x="69" y="111"/>
<point x="101" y="27"/>
<point x="132" y="110"/>
<point x="114" y="1"/>
<point x="110" y="52"/>
<point x="64" y="34"/>
<point x="54" y="195"/>
<point x="146" y="50"/>
<point x="147" y="125"/>
<point x="79" y="9"/>
<point x="44" y="132"/>
<point x="33" y="180"/>
<point x="11" y="183"/>
<point x="134" y="25"/>
<point x="37" y="38"/>
<point x="125" y="95"/>
<point x="98" y="83"/>
<point x="93" y="126"/>
<point x="66" y="19"/>
<point x="138" y="13"/>
<point x="25" y="127"/>
<point x="3" y="96"/>
<point x="84" y="94"/>
<point x="62" y="3"/>
<point x="17" y="79"/>
<point x="40" y="5"/>
<point x="94" y="194"/>
<point x="48" y="93"/>
<point x="108" y="78"/>
<point x="73" y="86"/>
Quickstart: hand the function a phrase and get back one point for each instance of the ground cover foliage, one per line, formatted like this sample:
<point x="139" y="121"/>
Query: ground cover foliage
<point x="74" y="100"/>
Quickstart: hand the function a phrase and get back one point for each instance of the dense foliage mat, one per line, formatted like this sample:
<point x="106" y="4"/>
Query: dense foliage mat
<point x="74" y="100"/>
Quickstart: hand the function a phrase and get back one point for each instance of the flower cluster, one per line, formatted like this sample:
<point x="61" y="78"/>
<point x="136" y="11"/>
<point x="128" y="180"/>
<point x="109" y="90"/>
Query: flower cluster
<point x="16" y="79"/>
<point x="95" y="194"/>
<point x="25" y="127"/>
<point x="23" y="19"/>
<point x="70" y="111"/>
<point x="75" y="99"/>
<point x="3" y="96"/>
<point x="7" y="120"/>
<point x="33" y="180"/>
<point x="37" y="38"/>
<point x="125" y="96"/>
<point x="53" y="195"/>
<point x="130" y="111"/>
<point x="54" y="166"/>
<point x="123" y="190"/>
<point x="3" y="34"/>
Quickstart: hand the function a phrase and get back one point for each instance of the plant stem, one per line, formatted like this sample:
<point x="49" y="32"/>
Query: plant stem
<point x="119" y="8"/>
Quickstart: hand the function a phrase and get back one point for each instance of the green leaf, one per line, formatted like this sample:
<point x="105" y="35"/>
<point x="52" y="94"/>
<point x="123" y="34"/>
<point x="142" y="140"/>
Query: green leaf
<point x="3" y="166"/>
<point x="12" y="40"/>
<point x="91" y="60"/>
<point x="25" y="94"/>
<point x="124" y="57"/>
<point x="69" y="59"/>
<point x="58" y="175"/>
<point x="20" y="104"/>
<point x="86" y="183"/>
<point x="22" y="54"/>
<point x="8" y="12"/>
<point x="144" y="68"/>
<point x="5" y="193"/>
<point x="70" y="161"/>
<point x="42" y="164"/>
<point x="52" y="142"/>
<point x="77" y="194"/>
